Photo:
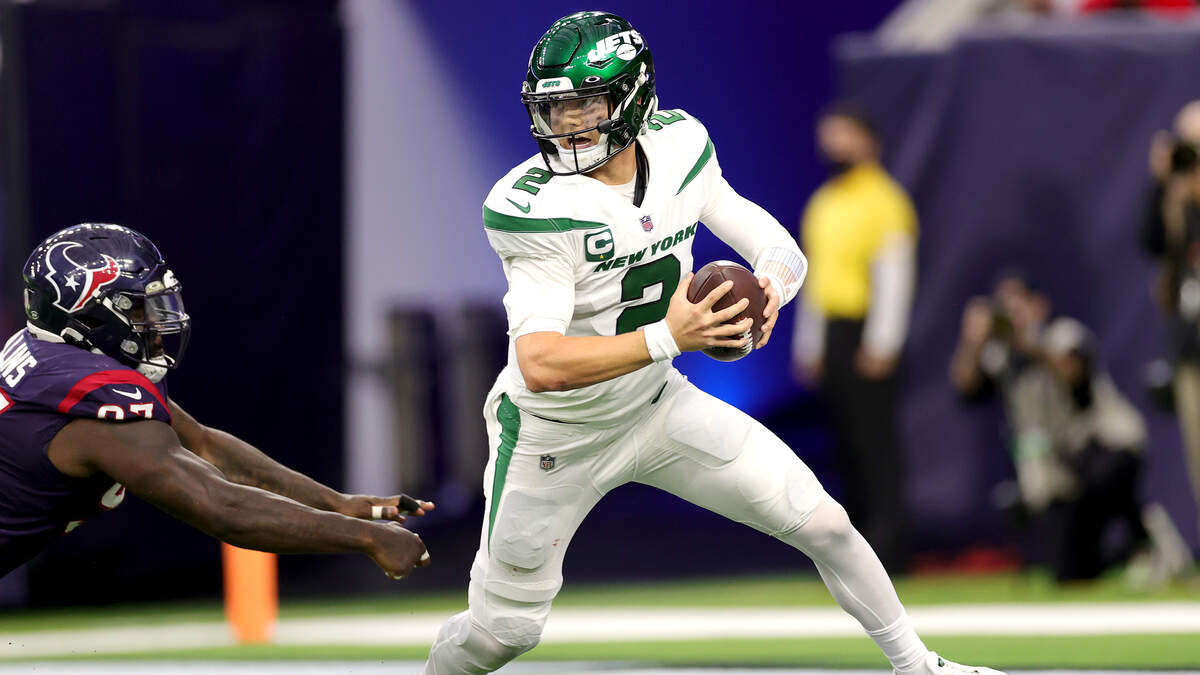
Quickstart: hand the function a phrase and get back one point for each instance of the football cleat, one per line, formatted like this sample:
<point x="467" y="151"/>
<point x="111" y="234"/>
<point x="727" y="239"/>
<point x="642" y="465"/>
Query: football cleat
<point x="936" y="665"/>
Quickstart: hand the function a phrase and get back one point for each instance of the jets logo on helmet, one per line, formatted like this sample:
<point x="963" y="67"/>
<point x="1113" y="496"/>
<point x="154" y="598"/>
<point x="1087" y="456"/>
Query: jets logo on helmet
<point x="76" y="281"/>
<point x="625" y="45"/>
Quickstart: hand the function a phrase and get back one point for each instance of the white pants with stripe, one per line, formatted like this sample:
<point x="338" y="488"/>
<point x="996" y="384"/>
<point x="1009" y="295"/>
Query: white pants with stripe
<point x="543" y="477"/>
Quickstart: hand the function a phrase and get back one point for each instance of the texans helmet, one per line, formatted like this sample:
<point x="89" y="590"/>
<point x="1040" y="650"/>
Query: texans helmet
<point x="589" y="90"/>
<point x="106" y="288"/>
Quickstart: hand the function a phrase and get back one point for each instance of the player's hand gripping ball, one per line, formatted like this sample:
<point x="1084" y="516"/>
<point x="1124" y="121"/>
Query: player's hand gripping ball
<point x="745" y="285"/>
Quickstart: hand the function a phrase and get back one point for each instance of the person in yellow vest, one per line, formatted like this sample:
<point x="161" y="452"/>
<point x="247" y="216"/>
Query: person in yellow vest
<point x="859" y="230"/>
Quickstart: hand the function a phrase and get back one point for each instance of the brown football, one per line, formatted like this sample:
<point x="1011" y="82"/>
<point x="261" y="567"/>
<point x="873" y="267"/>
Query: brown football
<point x="745" y="285"/>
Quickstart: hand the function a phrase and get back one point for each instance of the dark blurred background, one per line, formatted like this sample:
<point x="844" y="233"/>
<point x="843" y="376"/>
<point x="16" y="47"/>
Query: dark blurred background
<point x="313" y="171"/>
<point x="216" y="128"/>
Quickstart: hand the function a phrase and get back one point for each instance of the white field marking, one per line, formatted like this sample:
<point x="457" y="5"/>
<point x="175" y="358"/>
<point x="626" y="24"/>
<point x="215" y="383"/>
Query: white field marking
<point x="413" y="668"/>
<point x="142" y="638"/>
<point x="617" y="625"/>
<point x="344" y="667"/>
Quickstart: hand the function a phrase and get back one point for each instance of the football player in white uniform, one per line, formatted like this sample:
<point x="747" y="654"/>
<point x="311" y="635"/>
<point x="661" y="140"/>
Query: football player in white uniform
<point x="595" y="235"/>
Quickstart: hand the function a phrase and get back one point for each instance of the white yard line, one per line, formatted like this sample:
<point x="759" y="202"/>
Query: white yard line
<point x="615" y="625"/>
<point x="413" y="668"/>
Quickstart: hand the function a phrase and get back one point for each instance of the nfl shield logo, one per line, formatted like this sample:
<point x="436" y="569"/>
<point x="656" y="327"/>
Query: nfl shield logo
<point x="646" y="224"/>
<point x="547" y="462"/>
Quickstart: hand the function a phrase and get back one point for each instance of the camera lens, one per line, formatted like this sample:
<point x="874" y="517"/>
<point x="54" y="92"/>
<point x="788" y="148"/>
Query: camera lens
<point x="1183" y="157"/>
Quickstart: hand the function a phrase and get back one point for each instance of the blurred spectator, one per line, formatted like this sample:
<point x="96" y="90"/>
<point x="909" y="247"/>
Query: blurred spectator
<point x="1172" y="8"/>
<point x="936" y="24"/>
<point x="1048" y="7"/>
<point x="859" y="231"/>
<point x="1074" y="7"/>
<point x="1171" y="233"/>
<point x="1077" y="443"/>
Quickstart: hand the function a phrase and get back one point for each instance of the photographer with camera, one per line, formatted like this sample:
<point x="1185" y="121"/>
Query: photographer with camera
<point x="1171" y="233"/>
<point x="1076" y="442"/>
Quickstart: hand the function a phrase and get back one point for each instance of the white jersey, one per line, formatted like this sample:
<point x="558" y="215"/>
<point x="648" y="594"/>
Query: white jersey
<point x="581" y="260"/>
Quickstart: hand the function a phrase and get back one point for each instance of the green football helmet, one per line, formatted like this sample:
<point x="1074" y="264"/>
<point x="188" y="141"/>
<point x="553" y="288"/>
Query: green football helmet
<point x="589" y="90"/>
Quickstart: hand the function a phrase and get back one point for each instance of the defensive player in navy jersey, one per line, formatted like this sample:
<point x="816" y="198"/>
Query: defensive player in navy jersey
<point x="85" y="416"/>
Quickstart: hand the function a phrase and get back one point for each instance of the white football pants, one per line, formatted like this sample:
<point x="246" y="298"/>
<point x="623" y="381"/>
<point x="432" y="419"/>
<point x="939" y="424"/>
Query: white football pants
<point x="543" y="478"/>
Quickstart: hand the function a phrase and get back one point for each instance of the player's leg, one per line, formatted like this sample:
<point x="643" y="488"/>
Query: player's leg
<point x="716" y="456"/>
<point x="866" y="453"/>
<point x="838" y="379"/>
<point x="883" y="470"/>
<point x="532" y="511"/>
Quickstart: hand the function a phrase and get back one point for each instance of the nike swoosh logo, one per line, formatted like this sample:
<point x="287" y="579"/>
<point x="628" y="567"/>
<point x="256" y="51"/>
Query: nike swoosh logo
<point x="136" y="394"/>
<point x="524" y="209"/>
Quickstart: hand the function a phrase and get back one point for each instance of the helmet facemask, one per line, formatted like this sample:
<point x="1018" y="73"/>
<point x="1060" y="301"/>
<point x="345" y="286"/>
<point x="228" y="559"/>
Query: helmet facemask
<point x="159" y="328"/>
<point x="578" y="130"/>
<point x="571" y="125"/>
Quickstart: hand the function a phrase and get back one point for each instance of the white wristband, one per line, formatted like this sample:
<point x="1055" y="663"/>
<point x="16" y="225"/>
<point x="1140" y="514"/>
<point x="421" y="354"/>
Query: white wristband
<point x="659" y="341"/>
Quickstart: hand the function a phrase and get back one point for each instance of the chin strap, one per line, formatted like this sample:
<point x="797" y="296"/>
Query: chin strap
<point x="643" y="175"/>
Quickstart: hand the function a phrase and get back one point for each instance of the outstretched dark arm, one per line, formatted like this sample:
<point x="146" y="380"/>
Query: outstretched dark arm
<point x="147" y="458"/>
<point x="243" y="463"/>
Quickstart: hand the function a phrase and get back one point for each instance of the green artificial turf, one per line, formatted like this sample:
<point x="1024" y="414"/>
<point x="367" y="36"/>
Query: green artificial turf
<point x="773" y="591"/>
<point x="1107" y="651"/>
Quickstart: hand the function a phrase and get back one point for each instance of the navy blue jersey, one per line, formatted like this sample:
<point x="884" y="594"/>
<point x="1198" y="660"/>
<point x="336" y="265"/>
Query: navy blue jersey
<point x="43" y="386"/>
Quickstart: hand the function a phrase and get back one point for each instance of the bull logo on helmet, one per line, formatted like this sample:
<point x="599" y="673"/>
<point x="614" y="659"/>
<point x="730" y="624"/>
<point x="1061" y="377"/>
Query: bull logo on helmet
<point x="75" y="282"/>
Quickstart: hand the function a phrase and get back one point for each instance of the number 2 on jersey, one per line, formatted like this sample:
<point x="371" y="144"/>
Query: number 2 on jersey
<point x="534" y="175"/>
<point x="663" y="271"/>
<point x="662" y="118"/>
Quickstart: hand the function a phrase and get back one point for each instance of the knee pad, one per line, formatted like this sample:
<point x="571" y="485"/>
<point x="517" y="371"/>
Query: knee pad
<point x="518" y="634"/>
<point x="780" y="489"/>
<point x="464" y="646"/>
<point x="515" y="624"/>
<point x="827" y="526"/>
